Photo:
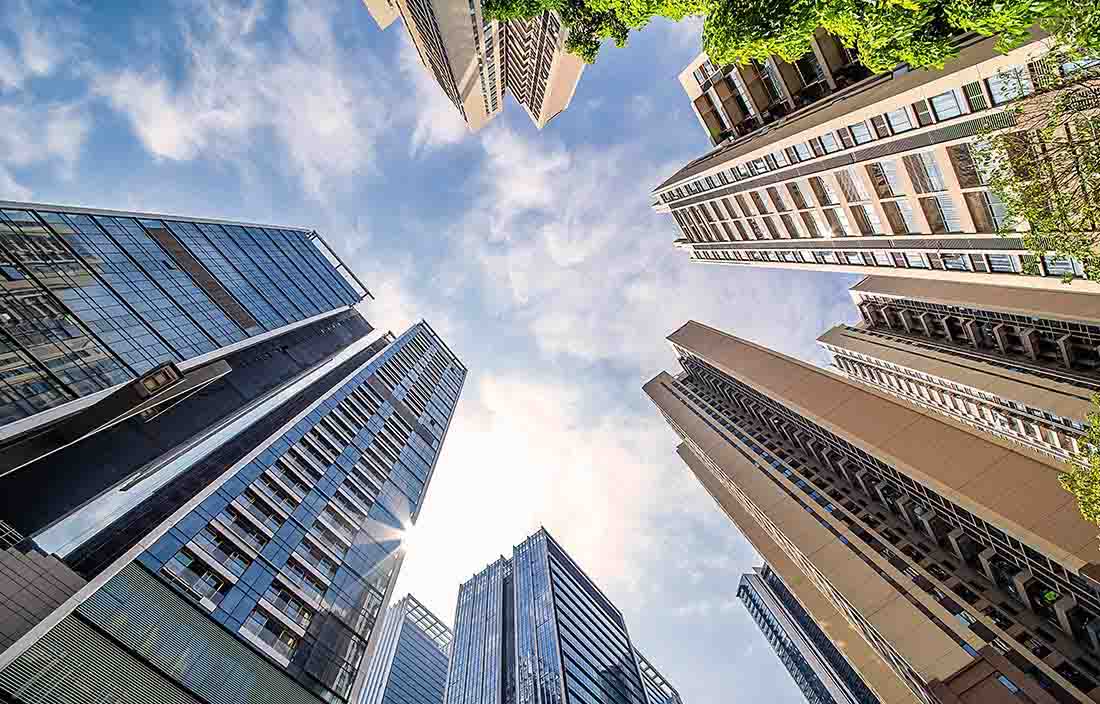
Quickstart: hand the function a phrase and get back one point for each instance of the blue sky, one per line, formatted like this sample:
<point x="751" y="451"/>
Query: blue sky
<point x="534" y="253"/>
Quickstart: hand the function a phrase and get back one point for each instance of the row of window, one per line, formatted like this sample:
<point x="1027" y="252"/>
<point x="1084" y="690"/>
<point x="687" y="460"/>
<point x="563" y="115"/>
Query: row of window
<point x="1004" y="86"/>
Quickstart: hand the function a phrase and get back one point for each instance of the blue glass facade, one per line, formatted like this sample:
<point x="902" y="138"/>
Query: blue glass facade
<point x="91" y="299"/>
<point x="409" y="665"/>
<point x="536" y="630"/>
<point x="279" y="566"/>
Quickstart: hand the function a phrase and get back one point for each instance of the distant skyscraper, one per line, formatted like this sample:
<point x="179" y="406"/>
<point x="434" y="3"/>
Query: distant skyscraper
<point x="534" y="629"/>
<point x="475" y="60"/>
<point x="1015" y="363"/>
<point x="944" y="566"/>
<point x="817" y="667"/>
<point x="409" y="665"/>
<point x="251" y="565"/>
<point x="657" y="688"/>
<point x="877" y="177"/>
<point x="106" y="315"/>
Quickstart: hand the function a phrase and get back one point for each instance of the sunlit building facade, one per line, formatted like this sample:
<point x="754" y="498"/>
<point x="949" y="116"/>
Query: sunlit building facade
<point x="818" y="669"/>
<point x="734" y="101"/>
<point x="534" y="629"/>
<point x="409" y="666"/>
<point x="945" y="566"/>
<point x="477" y="60"/>
<point x="253" y="566"/>
<point x="878" y="176"/>
<point x="1016" y="364"/>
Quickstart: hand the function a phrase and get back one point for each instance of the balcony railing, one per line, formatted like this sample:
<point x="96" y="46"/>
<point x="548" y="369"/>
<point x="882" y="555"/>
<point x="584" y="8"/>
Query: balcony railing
<point x="236" y="564"/>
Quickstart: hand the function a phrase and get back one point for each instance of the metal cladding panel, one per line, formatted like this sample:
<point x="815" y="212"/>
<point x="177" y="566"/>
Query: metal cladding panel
<point x="160" y="626"/>
<point x="75" y="664"/>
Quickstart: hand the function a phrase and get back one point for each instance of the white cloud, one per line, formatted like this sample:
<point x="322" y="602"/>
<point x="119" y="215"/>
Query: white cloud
<point x="236" y="89"/>
<point x="568" y="246"/>
<point x="36" y="50"/>
<point x="11" y="189"/>
<point x="35" y="131"/>
<point x="437" y="122"/>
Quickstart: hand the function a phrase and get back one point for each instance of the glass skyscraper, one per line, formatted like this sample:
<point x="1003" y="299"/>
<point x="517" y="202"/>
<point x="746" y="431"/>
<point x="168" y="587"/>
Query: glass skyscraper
<point x="91" y="300"/>
<point x="409" y="666"/>
<point x="820" y="670"/>
<point x="534" y="629"/>
<point x="253" y="564"/>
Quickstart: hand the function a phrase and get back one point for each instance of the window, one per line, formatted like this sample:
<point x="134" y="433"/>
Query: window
<point x="777" y="199"/>
<point x="899" y="120"/>
<point x="867" y="220"/>
<point x="946" y="105"/>
<point x="924" y="115"/>
<point x="797" y="195"/>
<point x="838" y="222"/>
<point x="1008" y="85"/>
<point x="1059" y="266"/>
<point x="900" y="216"/>
<point x="281" y="639"/>
<point x="851" y="185"/>
<point x="998" y="212"/>
<point x="884" y="177"/>
<point x="878" y="123"/>
<point x="942" y="214"/>
<point x="916" y="261"/>
<point x="925" y="172"/>
<point x="829" y="143"/>
<point x="824" y="192"/>
<point x="955" y="262"/>
<point x="975" y="96"/>
<point x="861" y="134"/>
<point x="803" y="151"/>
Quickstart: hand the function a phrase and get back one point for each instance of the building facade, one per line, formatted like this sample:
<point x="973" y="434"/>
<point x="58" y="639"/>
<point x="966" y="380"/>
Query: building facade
<point x="111" y="314"/>
<point x="878" y="178"/>
<point x="944" y="566"/>
<point x="734" y="101"/>
<point x="477" y="60"/>
<point x="1017" y="364"/>
<point x="658" y="690"/>
<point x="253" y="565"/>
<point x="819" y="670"/>
<point x="410" y="664"/>
<point x="534" y="629"/>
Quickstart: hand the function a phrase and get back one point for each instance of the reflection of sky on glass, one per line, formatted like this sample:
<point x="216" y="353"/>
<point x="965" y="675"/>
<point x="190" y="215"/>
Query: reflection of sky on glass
<point x="70" y="532"/>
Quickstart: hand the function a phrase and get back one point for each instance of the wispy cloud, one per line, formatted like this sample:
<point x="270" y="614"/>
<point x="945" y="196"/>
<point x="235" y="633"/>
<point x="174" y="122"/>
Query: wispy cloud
<point x="236" y="86"/>
<point x="436" y="121"/>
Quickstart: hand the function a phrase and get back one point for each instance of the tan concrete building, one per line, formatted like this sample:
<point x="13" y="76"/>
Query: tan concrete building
<point x="475" y="60"/>
<point x="946" y="567"/>
<point x="734" y="101"/>
<point x="878" y="175"/>
<point x="1020" y="365"/>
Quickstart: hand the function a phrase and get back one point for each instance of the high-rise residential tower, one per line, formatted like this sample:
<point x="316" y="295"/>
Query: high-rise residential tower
<point x="476" y="60"/>
<point x="108" y="315"/>
<point x="254" y="564"/>
<point x="734" y="101"/>
<point x="879" y="177"/>
<point x="409" y="665"/>
<point x="944" y="566"/>
<point x="1018" y="364"/>
<point x="534" y="629"/>
<point x="819" y="670"/>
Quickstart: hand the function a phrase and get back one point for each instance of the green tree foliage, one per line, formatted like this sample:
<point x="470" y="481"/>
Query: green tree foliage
<point x="1083" y="479"/>
<point x="1046" y="169"/>
<point x="884" y="32"/>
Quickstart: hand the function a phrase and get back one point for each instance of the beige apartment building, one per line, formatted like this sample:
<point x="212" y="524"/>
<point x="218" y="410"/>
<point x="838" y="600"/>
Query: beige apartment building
<point x="874" y="177"/>
<point x="945" y="566"/>
<point x="1018" y="364"/>
<point x="734" y="101"/>
<point x="475" y="60"/>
